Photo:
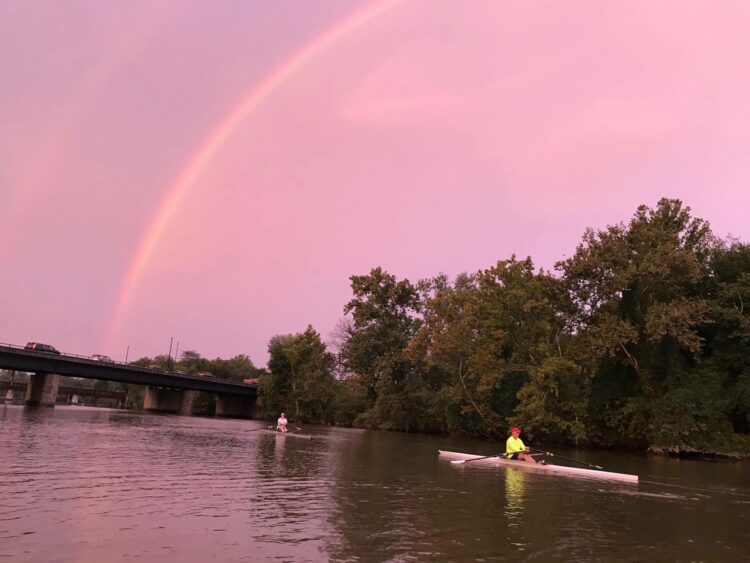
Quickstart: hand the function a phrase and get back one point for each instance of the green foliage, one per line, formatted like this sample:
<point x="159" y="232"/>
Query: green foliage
<point x="300" y="379"/>
<point x="234" y="369"/>
<point x="639" y="339"/>
<point x="349" y="400"/>
<point x="384" y="313"/>
<point x="554" y="403"/>
<point x="638" y="303"/>
<point x="204" y="404"/>
<point x="485" y="338"/>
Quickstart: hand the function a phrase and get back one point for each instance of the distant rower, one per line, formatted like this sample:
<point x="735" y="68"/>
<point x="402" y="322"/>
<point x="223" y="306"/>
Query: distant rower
<point x="515" y="449"/>
<point x="281" y="423"/>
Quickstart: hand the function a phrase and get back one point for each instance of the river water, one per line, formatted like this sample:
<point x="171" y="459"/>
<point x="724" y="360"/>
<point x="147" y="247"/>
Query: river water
<point x="80" y="484"/>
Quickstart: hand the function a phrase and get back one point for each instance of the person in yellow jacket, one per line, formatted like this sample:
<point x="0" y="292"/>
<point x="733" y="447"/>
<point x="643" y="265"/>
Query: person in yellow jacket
<point x="515" y="448"/>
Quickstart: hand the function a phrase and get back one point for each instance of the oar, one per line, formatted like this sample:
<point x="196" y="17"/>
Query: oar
<point x="261" y="428"/>
<point x="568" y="459"/>
<point x="460" y="461"/>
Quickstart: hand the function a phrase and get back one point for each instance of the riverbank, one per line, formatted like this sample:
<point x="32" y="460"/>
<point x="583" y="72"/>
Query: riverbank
<point x="734" y="447"/>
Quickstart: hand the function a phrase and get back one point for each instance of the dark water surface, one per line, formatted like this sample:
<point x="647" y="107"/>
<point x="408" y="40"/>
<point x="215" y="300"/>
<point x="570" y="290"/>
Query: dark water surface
<point x="79" y="484"/>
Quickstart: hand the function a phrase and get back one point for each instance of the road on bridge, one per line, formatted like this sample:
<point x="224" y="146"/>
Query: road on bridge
<point x="19" y="359"/>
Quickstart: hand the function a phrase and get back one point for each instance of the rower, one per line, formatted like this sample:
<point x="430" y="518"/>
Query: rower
<point x="515" y="448"/>
<point x="281" y="423"/>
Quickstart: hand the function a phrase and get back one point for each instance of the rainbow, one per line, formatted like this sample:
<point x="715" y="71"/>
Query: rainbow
<point x="186" y="180"/>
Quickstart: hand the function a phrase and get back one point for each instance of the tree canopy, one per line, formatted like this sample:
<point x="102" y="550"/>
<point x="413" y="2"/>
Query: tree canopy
<point x="638" y="339"/>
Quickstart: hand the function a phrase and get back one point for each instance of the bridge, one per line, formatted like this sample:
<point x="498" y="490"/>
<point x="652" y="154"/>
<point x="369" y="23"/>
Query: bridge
<point x="165" y="391"/>
<point x="67" y="391"/>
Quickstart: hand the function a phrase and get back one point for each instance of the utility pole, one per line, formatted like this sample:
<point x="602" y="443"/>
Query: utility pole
<point x="177" y="353"/>
<point x="169" y="356"/>
<point x="126" y="354"/>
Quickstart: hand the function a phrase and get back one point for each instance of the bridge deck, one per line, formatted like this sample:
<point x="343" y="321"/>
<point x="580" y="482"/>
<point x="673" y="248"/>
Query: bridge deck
<point x="19" y="359"/>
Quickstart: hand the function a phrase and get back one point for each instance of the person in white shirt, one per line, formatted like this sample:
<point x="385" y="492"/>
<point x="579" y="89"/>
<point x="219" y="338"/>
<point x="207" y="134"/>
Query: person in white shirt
<point x="281" y="423"/>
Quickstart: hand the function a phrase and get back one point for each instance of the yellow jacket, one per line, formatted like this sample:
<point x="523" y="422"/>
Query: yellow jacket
<point x="514" y="446"/>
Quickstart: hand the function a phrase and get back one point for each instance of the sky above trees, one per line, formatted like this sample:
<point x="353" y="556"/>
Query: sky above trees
<point x="421" y="137"/>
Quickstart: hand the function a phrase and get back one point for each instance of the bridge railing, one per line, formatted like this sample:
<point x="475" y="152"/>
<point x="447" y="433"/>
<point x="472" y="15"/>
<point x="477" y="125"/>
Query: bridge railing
<point x="79" y="356"/>
<point x="129" y="365"/>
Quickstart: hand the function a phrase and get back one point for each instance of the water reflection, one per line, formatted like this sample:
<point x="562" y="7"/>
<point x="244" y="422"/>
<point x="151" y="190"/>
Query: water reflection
<point x="79" y="484"/>
<point x="280" y="446"/>
<point x="514" y="496"/>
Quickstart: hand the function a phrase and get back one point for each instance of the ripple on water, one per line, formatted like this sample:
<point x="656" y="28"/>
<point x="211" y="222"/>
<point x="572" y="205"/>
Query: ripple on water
<point x="98" y="485"/>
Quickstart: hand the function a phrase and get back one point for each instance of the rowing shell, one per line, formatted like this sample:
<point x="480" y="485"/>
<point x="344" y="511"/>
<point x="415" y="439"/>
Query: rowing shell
<point x="290" y="433"/>
<point x="548" y="468"/>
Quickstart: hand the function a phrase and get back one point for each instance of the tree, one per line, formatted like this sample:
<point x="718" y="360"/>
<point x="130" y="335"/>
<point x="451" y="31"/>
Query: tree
<point x="385" y="317"/>
<point x="728" y="338"/>
<point x="300" y="376"/>
<point x="494" y="340"/>
<point x="639" y="308"/>
<point x="234" y="369"/>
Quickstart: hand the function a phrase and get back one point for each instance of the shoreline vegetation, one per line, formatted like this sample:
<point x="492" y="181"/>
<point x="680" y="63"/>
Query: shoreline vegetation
<point x="639" y="340"/>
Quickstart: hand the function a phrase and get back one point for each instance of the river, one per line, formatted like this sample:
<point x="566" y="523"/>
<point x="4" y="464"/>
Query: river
<point x="84" y="484"/>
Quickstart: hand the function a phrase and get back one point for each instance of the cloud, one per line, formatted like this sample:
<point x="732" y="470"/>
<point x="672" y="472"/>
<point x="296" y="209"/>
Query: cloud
<point x="399" y="93"/>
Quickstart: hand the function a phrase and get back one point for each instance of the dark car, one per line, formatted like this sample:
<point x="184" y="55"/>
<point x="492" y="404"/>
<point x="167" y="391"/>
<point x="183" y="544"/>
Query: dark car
<point x="39" y="347"/>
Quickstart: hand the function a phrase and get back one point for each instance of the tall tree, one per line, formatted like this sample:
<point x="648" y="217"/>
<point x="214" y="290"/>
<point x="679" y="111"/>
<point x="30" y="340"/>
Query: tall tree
<point x="496" y="337"/>
<point x="301" y="378"/>
<point x="638" y="312"/>
<point x="728" y="338"/>
<point x="385" y="314"/>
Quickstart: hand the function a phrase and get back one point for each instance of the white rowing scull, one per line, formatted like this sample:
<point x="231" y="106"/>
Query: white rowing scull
<point x="289" y="433"/>
<point x="547" y="468"/>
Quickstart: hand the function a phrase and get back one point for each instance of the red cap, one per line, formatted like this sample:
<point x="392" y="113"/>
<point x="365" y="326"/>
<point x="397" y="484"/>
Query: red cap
<point x="515" y="429"/>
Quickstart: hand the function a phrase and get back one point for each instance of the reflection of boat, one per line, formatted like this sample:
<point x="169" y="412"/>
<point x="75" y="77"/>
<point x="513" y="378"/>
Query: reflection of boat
<point x="547" y="468"/>
<point x="290" y="433"/>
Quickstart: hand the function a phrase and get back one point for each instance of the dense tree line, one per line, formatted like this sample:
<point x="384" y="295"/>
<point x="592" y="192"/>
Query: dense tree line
<point x="237" y="368"/>
<point x="639" y="339"/>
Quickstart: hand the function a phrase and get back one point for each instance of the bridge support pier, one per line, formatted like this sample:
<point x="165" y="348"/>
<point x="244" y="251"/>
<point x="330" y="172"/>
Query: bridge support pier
<point x="42" y="390"/>
<point x="174" y="401"/>
<point x="233" y="406"/>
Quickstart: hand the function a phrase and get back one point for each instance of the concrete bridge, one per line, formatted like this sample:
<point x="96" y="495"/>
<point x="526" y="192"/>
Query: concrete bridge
<point x="165" y="391"/>
<point x="68" y="391"/>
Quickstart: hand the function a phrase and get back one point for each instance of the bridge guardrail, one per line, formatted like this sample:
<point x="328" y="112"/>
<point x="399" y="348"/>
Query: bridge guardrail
<point x="129" y="365"/>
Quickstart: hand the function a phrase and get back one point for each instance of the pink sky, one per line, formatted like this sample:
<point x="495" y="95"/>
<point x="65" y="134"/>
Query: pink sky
<point x="425" y="137"/>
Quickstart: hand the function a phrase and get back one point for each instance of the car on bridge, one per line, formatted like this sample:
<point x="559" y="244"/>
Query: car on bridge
<point x="206" y="375"/>
<point x="102" y="358"/>
<point x="40" y="347"/>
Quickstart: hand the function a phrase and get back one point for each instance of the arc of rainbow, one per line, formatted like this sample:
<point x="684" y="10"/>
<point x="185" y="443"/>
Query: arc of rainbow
<point x="185" y="181"/>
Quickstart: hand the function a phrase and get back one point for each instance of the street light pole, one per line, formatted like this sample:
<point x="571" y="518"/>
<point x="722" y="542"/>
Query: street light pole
<point x="169" y="356"/>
